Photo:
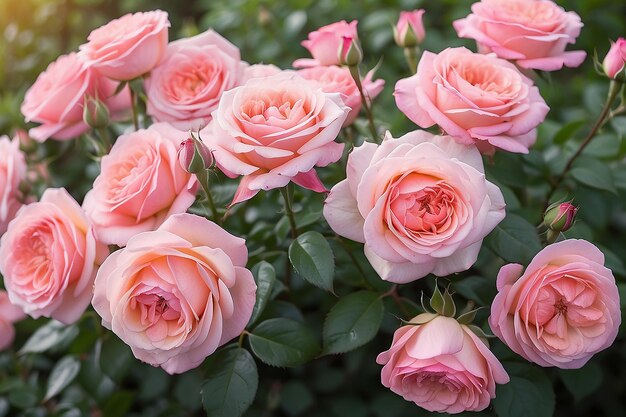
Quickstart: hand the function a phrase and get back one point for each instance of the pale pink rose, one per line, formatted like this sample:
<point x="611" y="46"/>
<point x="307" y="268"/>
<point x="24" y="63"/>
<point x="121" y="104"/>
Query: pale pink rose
<point x="334" y="79"/>
<point x="175" y="294"/>
<point x="49" y="257"/>
<point x="12" y="173"/>
<point x="413" y="21"/>
<point x="326" y="43"/>
<point x="274" y="130"/>
<point x="57" y="97"/>
<point x="420" y="203"/>
<point x="533" y="33"/>
<point x="441" y="366"/>
<point x="128" y="47"/>
<point x="260" y="71"/>
<point x="615" y="59"/>
<point x="476" y="98"/>
<point x="562" y="309"/>
<point x="9" y="314"/>
<point x="187" y="85"/>
<point x="141" y="183"/>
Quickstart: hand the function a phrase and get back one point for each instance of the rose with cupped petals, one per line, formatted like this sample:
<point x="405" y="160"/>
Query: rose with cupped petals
<point x="260" y="71"/>
<point x="420" y="203"/>
<point x="57" y="97"/>
<point x="175" y="294"/>
<point x="562" y="309"/>
<point x="187" y="85"/>
<point x="141" y="183"/>
<point x="49" y="257"/>
<point x="128" y="47"/>
<point x="441" y="366"/>
<point x="274" y="130"/>
<point x="12" y="173"/>
<point x="9" y="314"/>
<point x="325" y="44"/>
<point x="533" y="33"/>
<point x="334" y="79"/>
<point x="615" y="60"/>
<point x="476" y="98"/>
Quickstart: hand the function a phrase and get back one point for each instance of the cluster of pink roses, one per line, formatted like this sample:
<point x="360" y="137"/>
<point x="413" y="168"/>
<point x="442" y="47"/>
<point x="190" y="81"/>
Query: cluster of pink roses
<point x="178" y="288"/>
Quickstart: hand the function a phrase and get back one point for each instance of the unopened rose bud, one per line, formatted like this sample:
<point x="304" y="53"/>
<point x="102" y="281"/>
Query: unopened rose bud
<point x="559" y="217"/>
<point x="350" y="52"/>
<point x="194" y="156"/>
<point x="615" y="60"/>
<point x="95" y="113"/>
<point x="409" y="31"/>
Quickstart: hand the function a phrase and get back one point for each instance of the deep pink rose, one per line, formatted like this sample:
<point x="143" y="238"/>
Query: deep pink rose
<point x="562" y="309"/>
<point x="533" y="33"/>
<point x="128" y="47"/>
<point x="410" y="21"/>
<point x="420" y="203"/>
<point x="9" y="314"/>
<point x="141" y="183"/>
<point x="334" y="79"/>
<point x="476" y="98"/>
<point x="274" y="130"/>
<point x="175" y="294"/>
<point x="615" y="60"/>
<point x="49" y="257"/>
<point x="441" y="366"/>
<point x="187" y="85"/>
<point x="12" y="173"/>
<point x="326" y="43"/>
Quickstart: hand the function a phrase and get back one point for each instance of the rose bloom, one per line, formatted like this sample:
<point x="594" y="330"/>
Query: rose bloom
<point x="9" y="314"/>
<point x="475" y="98"/>
<point x="533" y="33"/>
<point x="325" y="44"/>
<point x="49" y="257"/>
<point x="561" y="310"/>
<point x="12" y="173"/>
<point x="420" y="203"/>
<point x="175" y="294"/>
<point x="334" y="79"/>
<point x="128" y="47"/>
<point x="615" y="60"/>
<point x="410" y="20"/>
<point x="57" y="97"/>
<point x="274" y="130"/>
<point x="441" y="366"/>
<point x="260" y="71"/>
<point x="186" y="86"/>
<point x="141" y="183"/>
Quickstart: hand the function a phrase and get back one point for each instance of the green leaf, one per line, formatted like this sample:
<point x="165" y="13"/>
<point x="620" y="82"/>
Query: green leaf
<point x="115" y="358"/>
<point x="283" y="342"/>
<point x="568" y="130"/>
<point x="593" y="173"/>
<point x="353" y="322"/>
<point x="265" y="277"/>
<point x="311" y="256"/>
<point x="49" y="336"/>
<point x="231" y="383"/>
<point x="529" y="393"/>
<point x="582" y="382"/>
<point x="62" y="375"/>
<point x="514" y="240"/>
<point x="118" y="404"/>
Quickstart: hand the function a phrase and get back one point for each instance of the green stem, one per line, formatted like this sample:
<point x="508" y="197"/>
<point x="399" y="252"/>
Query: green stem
<point x="241" y="337"/>
<point x="356" y="76"/>
<point x="411" y="55"/>
<point x="105" y="137"/>
<point x="133" y="105"/>
<point x="203" y="179"/>
<point x="354" y="260"/>
<point x="289" y="212"/>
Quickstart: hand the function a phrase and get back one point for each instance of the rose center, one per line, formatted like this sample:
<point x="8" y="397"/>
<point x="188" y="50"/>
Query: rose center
<point x="560" y="306"/>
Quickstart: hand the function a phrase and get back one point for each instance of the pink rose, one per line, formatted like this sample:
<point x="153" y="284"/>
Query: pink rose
<point x="615" y="60"/>
<point x="175" y="294"/>
<point x="49" y="256"/>
<point x="533" y="33"/>
<point x="441" y="366"/>
<point x="420" y="204"/>
<point x="57" y="97"/>
<point x="475" y="98"/>
<point x="128" y="47"/>
<point x="187" y="85"/>
<point x="141" y="183"/>
<point x="12" y="173"/>
<point x="562" y="310"/>
<point x="9" y="314"/>
<point x="260" y="71"/>
<point x="326" y="43"/>
<point x="334" y="79"/>
<point x="274" y="130"/>
<point x="410" y="21"/>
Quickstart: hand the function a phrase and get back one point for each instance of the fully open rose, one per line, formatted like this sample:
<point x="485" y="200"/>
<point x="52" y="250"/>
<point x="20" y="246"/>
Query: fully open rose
<point x="420" y="204"/>
<point x="562" y="309"/>
<point x="176" y="294"/>
<point x="12" y="173"/>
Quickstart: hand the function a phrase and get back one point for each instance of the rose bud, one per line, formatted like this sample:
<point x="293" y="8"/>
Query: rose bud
<point x="559" y="217"/>
<point x="409" y="31"/>
<point x="615" y="60"/>
<point x="194" y="156"/>
<point x="350" y="52"/>
<point x="95" y="113"/>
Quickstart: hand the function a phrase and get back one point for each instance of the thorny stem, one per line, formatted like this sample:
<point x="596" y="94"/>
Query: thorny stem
<point x="289" y="212"/>
<point x="133" y="105"/>
<point x="354" y="71"/>
<point x="393" y="293"/>
<point x="203" y="179"/>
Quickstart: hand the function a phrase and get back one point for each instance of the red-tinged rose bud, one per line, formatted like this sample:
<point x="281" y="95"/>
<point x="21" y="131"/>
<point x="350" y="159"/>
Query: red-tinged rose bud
<point x="409" y="31"/>
<point x="615" y="60"/>
<point x="559" y="217"/>
<point x="95" y="113"/>
<point x="194" y="156"/>
<point x="350" y="52"/>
